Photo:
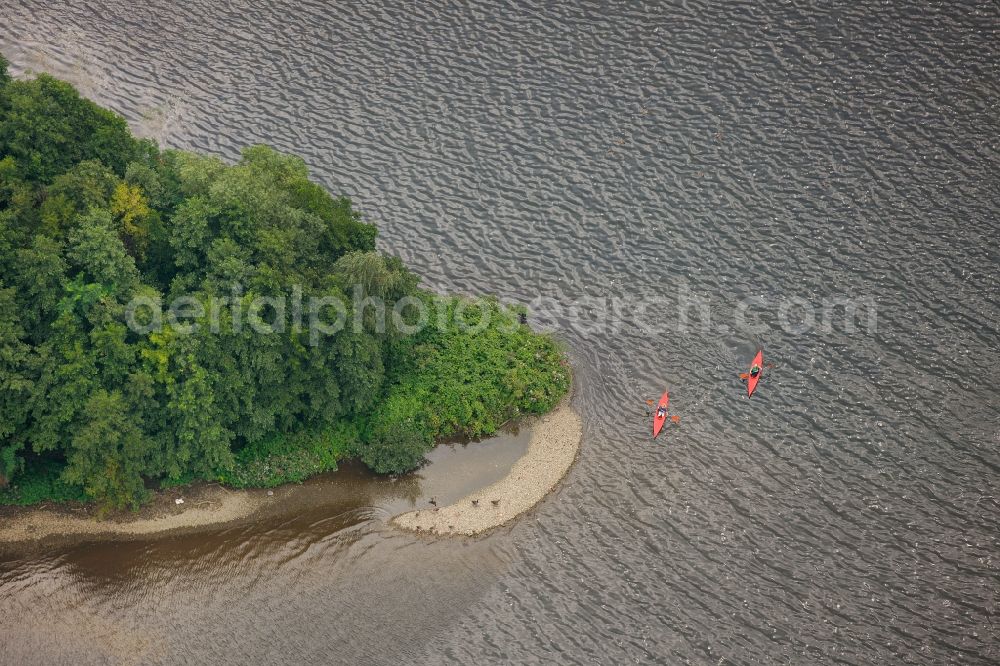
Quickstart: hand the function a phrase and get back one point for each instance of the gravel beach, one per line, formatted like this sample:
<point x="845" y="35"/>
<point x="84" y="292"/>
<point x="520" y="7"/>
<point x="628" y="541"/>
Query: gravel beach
<point x="555" y="441"/>
<point x="205" y="505"/>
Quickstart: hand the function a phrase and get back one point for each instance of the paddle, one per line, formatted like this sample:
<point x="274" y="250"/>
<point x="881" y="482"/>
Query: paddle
<point x="746" y="375"/>
<point x="673" y="418"/>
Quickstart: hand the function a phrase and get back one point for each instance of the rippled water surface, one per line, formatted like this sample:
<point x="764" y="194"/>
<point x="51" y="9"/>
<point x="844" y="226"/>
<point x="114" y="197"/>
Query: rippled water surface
<point x="670" y="185"/>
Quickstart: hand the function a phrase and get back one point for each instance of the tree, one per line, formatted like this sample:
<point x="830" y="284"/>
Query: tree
<point x="86" y="185"/>
<point x="108" y="452"/>
<point x="360" y="371"/>
<point x="150" y="182"/>
<point x="66" y="378"/>
<point x="15" y="385"/>
<point x="129" y="207"/>
<point x="48" y="128"/>
<point x="192" y="437"/>
<point x="395" y="449"/>
<point x="191" y="232"/>
<point x="38" y="272"/>
<point x="4" y="75"/>
<point x="377" y="275"/>
<point x="96" y="250"/>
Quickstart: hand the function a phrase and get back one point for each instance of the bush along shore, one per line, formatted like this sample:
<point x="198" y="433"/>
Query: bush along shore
<point x="166" y="317"/>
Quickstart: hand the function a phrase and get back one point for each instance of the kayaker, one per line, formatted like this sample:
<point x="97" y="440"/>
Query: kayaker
<point x="661" y="412"/>
<point x="755" y="370"/>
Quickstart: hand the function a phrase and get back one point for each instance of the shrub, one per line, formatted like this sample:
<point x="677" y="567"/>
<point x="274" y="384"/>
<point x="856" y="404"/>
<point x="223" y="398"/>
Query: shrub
<point x="396" y="447"/>
<point x="398" y="435"/>
<point x="41" y="482"/>
<point x="291" y="458"/>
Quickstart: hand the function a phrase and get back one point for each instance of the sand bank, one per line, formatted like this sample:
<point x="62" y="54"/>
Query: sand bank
<point x="205" y="505"/>
<point x="555" y="441"/>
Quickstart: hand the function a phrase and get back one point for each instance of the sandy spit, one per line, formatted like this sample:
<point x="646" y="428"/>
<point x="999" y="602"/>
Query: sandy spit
<point x="555" y="441"/>
<point x="205" y="505"/>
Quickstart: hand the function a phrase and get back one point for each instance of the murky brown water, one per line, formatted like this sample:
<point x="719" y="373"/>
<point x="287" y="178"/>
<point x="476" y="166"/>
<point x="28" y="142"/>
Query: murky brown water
<point x="136" y="600"/>
<point x="644" y="153"/>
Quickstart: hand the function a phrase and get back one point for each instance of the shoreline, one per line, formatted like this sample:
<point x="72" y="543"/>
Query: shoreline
<point x="161" y="515"/>
<point x="555" y="444"/>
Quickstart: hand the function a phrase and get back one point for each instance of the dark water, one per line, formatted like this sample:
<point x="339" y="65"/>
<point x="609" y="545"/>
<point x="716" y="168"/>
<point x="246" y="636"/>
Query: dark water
<point x="620" y="166"/>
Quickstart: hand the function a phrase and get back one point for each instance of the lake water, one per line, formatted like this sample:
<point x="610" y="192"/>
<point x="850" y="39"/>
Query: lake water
<point x="669" y="186"/>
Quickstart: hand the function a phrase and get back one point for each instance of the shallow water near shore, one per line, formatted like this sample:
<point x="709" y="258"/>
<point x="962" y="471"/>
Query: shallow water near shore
<point x="353" y="493"/>
<point x="293" y="536"/>
<point x="646" y="163"/>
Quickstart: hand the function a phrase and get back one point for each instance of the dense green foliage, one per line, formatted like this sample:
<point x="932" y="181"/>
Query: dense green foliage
<point x="98" y="400"/>
<point x="291" y="458"/>
<point x="466" y="378"/>
<point x="41" y="481"/>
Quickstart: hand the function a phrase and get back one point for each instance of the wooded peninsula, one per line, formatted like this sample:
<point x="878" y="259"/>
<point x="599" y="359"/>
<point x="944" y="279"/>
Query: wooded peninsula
<point x="166" y="317"/>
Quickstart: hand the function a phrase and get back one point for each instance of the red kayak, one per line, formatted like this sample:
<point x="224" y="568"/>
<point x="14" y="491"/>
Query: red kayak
<point x="659" y="420"/>
<point x="752" y="379"/>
